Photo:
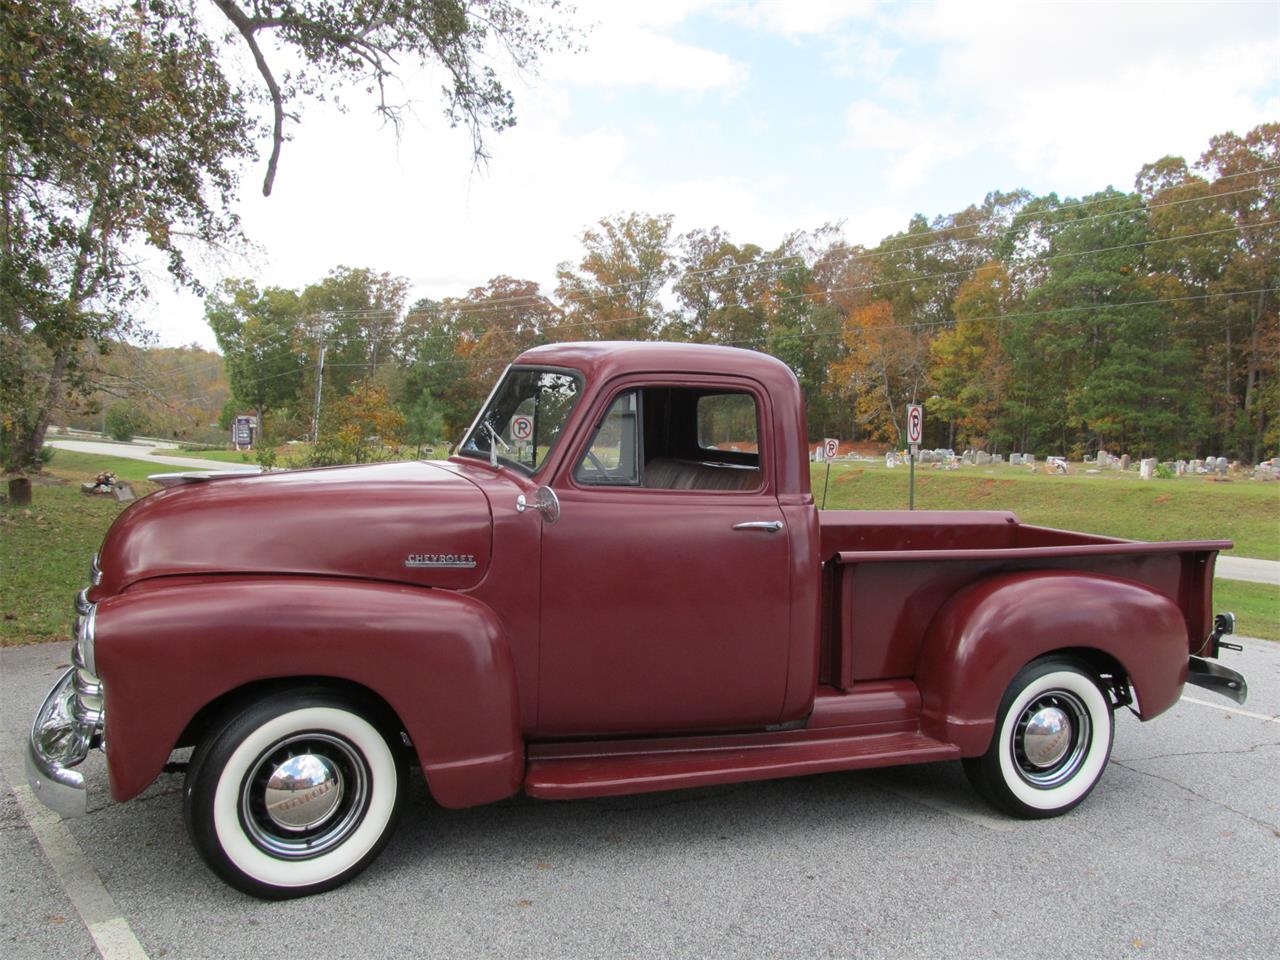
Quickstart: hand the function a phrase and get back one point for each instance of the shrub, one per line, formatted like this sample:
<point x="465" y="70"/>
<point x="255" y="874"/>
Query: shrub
<point x="125" y="420"/>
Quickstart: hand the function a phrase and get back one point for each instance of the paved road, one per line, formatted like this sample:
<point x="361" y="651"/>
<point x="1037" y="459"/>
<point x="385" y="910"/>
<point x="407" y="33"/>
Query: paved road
<point x="140" y="451"/>
<point x="1247" y="568"/>
<point x="1176" y="854"/>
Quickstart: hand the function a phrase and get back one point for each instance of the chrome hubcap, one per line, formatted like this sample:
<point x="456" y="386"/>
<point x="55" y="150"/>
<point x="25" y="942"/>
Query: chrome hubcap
<point x="1051" y="739"/>
<point x="303" y="792"/>
<point x="1047" y="737"/>
<point x="304" y="795"/>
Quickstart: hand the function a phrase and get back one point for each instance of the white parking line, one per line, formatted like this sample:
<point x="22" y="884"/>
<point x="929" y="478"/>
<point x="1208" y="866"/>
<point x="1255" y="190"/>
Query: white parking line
<point x="111" y="933"/>
<point x="987" y="821"/>
<point x="1237" y="710"/>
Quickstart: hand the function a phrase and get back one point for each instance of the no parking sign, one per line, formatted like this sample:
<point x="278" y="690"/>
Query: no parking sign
<point x="521" y="427"/>
<point x="915" y="423"/>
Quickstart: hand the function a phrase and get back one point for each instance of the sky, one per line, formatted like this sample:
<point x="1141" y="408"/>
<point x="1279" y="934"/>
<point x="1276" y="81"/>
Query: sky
<point x="761" y="117"/>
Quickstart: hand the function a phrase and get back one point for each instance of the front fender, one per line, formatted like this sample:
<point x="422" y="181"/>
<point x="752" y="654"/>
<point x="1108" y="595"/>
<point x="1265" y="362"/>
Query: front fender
<point x="987" y="632"/>
<point x="169" y="647"/>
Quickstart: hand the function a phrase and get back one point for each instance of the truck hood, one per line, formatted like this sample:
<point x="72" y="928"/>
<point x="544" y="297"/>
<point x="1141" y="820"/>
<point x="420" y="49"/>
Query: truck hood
<point x="415" y="523"/>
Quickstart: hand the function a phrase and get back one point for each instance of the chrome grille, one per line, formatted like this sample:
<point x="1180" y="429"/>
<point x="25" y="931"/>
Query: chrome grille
<point x="87" y="706"/>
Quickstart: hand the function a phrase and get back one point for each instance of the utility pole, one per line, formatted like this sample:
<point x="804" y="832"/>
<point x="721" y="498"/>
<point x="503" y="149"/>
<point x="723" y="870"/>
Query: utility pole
<point x="315" y="416"/>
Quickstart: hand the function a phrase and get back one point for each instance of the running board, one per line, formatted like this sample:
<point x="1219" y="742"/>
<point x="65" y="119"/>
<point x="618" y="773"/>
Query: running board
<point x="608" y="774"/>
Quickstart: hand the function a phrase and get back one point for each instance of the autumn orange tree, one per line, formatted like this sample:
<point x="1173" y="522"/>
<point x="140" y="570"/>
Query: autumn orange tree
<point x="886" y="367"/>
<point x="968" y="366"/>
<point x="615" y="292"/>
<point x="360" y="427"/>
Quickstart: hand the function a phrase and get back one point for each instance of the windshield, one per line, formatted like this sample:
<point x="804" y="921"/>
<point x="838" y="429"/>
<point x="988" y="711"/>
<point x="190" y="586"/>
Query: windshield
<point x="527" y="413"/>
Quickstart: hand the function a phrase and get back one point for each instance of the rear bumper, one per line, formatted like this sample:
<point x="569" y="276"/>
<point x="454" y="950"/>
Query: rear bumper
<point x="1216" y="677"/>
<point x="61" y="737"/>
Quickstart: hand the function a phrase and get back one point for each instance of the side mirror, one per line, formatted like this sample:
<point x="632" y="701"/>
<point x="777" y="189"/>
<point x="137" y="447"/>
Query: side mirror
<point x="545" y="502"/>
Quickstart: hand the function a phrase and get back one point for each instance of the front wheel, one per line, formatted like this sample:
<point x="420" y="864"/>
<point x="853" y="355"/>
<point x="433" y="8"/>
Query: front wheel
<point x="1052" y="741"/>
<point x="294" y="795"/>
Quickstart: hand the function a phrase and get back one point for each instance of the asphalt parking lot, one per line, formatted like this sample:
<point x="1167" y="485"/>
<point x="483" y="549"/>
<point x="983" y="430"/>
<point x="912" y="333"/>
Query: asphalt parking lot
<point x="1176" y="854"/>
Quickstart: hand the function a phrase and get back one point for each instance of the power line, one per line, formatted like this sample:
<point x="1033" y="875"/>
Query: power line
<point x="920" y="278"/>
<point x="726" y="271"/>
<point x="607" y="291"/>
<point x="817" y="294"/>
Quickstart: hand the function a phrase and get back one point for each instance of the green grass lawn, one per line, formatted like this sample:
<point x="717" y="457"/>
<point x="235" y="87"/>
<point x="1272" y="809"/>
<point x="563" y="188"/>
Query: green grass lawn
<point x="1112" y="503"/>
<point x="1256" y="606"/>
<point x="45" y="548"/>
<point x="225" y="456"/>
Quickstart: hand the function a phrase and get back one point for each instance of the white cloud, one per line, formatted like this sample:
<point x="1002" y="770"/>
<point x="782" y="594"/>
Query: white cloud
<point x="1075" y="96"/>
<point x="631" y="45"/>
<point x="918" y="143"/>
<point x="640" y="57"/>
<point x="795" y="18"/>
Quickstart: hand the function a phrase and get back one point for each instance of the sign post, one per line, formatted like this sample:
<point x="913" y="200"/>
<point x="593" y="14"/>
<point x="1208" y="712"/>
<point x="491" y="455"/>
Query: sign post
<point x="830" y="447"/>
<point x="915" y="431"/>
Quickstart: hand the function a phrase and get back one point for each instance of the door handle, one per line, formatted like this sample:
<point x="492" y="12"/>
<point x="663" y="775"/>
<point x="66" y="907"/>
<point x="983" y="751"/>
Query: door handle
<point x="769" y="526"/>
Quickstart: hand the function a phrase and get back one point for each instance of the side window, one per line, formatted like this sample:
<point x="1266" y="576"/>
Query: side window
<point x="701" y="439"/>
<point x="611" y="459"/>
<point x="727" y="422"/>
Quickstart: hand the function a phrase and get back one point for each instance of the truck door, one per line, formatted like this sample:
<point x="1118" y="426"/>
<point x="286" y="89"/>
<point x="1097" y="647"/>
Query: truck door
<point x="665" y="594"/>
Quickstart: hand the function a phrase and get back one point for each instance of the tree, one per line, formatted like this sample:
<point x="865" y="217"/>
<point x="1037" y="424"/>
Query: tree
<point x="616" y="292"/>
<point x="118" y="130"/>
<point x="261" y="336"/>
<point x="356" y="312"/>
<point x="424" y="422"/>
<point x="455" y="349"/>
<point x="125" y="420"/>
<point x="722" y="288"/>
<point x="359" y="427"/>
<point x="1249" y="193"/>
<point x="330" y="44"/>
<point x="968" y="365"/>
<point x="122" y="127"/>
<point x="888" y="361"/>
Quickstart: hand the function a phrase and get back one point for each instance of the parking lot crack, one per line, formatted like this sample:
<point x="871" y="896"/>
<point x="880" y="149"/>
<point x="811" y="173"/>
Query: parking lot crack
<point x="1275" y="830"/>
<point x="1204" y="753"/>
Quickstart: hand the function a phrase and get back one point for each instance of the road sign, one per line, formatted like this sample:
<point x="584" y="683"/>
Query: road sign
<point x="915" y="423"/>
<point x="830" y="448"/>
<point x="521" y="427"/>
<point x="242" y="431"/>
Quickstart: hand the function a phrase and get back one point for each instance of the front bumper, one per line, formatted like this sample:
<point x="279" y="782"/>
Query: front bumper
<point x="61" y="738"/>
<point x="70" y="721"/>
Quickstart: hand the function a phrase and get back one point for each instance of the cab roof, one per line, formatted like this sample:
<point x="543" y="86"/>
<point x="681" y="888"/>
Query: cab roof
<point x="604" y="359"/>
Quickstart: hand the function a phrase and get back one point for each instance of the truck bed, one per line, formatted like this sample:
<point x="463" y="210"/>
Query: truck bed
<point x="887" y="573"/>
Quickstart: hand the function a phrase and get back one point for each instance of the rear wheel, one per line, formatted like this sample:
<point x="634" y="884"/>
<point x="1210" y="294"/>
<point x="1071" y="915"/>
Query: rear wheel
<point x="1052" y="741"/>
<point x="294" y="795"/>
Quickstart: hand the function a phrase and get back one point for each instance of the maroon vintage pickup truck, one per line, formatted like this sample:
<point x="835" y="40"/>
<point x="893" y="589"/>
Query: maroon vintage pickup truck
<point x="620" y="583"/>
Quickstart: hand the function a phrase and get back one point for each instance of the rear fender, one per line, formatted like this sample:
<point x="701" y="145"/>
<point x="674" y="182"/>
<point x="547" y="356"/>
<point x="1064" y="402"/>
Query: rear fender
<point x="991" y="629"/>
<point x="168" y="648"/>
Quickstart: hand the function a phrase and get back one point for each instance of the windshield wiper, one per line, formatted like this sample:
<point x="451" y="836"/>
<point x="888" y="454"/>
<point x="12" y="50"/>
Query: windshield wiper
<point x="493" y="449"/>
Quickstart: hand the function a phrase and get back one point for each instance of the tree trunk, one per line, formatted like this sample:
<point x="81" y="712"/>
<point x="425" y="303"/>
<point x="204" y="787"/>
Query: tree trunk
<point x="27" y="454"/>
<point x="20" y="491"/>
<point x="27" y="448"/>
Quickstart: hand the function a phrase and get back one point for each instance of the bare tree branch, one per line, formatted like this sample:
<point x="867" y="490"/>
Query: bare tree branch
<point x="247" y="27"/>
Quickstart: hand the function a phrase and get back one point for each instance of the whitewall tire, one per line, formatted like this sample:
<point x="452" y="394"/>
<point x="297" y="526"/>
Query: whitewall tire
<point x="1052" y="741"/>
<point x="295" y="794"/>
